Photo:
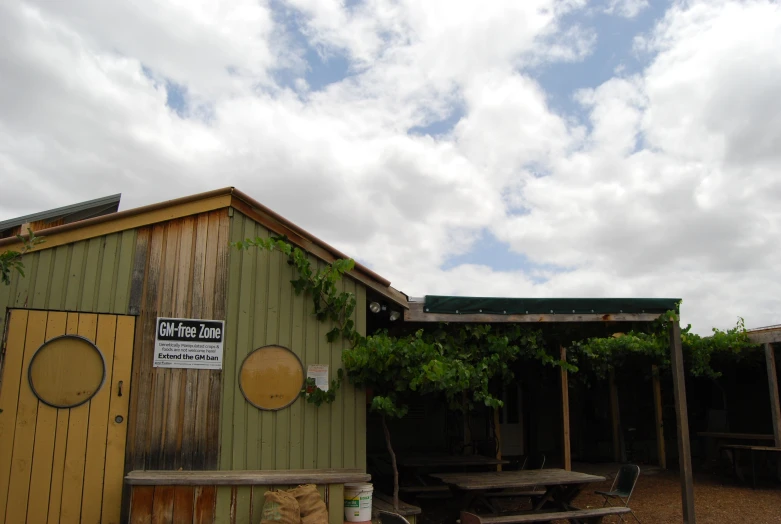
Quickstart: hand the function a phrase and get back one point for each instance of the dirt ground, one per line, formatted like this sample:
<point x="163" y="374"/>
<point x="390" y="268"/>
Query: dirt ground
<point x="657" y="500"/>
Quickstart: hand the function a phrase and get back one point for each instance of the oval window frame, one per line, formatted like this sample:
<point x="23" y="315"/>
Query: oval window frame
<point x="43" y="346"/>
<point x="301" y="387"/>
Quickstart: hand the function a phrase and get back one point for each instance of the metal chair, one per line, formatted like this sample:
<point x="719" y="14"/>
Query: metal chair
<point x="386" y="517"/>
<point x="622" y="488"/>
<point x="535" y="461"/>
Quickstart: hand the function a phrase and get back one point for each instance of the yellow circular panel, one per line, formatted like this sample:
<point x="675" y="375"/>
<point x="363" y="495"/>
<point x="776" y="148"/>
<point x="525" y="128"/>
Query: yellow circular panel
<point x="271" y="377"/>
<point x="67" y="371"/>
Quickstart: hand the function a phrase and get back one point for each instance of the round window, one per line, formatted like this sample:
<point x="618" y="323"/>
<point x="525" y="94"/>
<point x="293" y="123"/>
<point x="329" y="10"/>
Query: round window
<point x="67" y="371"/>
<point x="271" y="377"/>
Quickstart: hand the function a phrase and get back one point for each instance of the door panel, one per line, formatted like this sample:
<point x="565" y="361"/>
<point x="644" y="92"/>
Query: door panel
<point x="63" y="465"/>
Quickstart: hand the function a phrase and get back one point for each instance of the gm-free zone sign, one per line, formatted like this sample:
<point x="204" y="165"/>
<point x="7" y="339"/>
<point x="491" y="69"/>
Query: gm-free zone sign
<point x="189" y="343"/>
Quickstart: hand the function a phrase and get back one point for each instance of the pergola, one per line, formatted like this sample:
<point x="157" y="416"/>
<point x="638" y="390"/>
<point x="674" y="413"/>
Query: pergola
<point x="581" y="310"/>
<point x="768" y="336"/>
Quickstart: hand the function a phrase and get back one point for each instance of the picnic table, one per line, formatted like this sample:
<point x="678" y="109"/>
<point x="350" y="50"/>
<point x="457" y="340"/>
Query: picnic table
<point x="561" y="486"/>
<point x="738" y="448"/>
<point x="456" y="461"/>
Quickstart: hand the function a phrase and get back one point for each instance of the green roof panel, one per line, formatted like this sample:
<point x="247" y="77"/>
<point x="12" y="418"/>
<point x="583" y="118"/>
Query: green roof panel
<point x="534" y="306"/>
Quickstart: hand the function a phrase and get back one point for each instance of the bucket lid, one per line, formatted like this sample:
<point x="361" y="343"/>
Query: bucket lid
<point x="358" y="486"/>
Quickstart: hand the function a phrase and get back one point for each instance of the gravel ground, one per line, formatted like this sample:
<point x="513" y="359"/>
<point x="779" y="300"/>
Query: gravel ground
<point x="657" y="499"/>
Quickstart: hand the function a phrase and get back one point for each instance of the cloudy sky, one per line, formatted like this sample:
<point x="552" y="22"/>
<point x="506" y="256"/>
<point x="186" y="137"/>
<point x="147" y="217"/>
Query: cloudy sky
<point x="565" y="148"/>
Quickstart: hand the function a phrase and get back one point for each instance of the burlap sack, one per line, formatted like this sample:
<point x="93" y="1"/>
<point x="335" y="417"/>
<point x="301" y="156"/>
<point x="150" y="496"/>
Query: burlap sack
<point x="311" y="505"/>
<point x="280" y="507"/>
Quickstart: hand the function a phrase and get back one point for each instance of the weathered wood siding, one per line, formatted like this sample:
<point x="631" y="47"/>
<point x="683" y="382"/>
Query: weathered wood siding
<point x="180" y="270"/>
<point x="197" y="504"/>
<point x="91" y="276"/>
<point x="263" y="309"/>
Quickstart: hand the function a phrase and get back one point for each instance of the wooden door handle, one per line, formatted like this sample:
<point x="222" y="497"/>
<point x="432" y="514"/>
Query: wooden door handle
<point x="119" y="389"/>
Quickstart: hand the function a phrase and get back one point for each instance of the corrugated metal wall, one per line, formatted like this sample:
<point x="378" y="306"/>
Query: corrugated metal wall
<point x="263" y="309"/>
<point x="91" y="275"/>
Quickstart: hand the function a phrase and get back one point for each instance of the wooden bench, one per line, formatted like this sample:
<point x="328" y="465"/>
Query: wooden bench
<point x="383" y="502"/>
<point x="751" y="449"/>
<point x="585" y="515"/>
<point x="434" y="491"/>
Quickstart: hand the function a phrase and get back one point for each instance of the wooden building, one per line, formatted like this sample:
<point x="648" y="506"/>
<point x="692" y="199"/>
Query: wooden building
<point x="69" y="436"/>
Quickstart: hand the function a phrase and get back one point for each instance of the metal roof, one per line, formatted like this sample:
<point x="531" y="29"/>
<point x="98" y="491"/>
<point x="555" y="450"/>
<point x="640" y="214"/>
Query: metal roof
<point x="80" y="211"/>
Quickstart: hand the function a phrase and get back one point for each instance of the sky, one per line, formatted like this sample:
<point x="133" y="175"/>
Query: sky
<point x="544" y="148"/>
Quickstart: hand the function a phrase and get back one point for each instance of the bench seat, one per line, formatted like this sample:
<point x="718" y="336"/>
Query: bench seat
<point x="586" y="515"/>
<point x="507" y="494"/>
<point x="382" y="502"/>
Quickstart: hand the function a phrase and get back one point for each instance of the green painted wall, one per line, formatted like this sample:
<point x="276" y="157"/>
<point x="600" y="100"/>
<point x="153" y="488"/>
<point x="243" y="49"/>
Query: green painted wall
<point x="263" y="309"/>
<point x="91" y="276"/>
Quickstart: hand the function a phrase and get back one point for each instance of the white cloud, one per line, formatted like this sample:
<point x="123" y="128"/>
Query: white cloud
<point x="626" y="8"/>
<point x="670" y="189"/>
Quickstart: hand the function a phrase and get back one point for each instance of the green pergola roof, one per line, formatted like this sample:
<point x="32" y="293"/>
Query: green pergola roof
<point x="533" y="306"/>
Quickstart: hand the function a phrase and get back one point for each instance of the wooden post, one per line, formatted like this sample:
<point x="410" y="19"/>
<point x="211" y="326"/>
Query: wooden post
<point x="467" y="433"/>
<point x="567" y="452"/>
<point x="615" y="418"/>
<point x="498" y="438"/>
<point x="682" y="418"/>
<point x="660" y="451"/>
<point x="775" y="406"/>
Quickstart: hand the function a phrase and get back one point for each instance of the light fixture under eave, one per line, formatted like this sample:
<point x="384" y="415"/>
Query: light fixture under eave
<point x="394" y="315"/>
<point x="374" y="307"/>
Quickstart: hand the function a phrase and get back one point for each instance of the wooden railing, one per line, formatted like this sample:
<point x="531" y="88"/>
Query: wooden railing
<point x="230" y="497"/>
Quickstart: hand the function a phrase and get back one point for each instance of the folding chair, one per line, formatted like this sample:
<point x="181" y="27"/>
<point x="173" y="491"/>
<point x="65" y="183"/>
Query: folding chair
<point x="622" y="488"/>
<point x="386" y="517"/>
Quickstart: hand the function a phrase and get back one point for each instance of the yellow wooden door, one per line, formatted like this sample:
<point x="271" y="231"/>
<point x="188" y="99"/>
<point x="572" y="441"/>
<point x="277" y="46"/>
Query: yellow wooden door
<point x="63" y="464"/>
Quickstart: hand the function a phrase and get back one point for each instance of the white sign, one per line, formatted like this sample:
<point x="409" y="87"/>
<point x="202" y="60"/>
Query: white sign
<point x="320" y="374"/>
<point x="189" y="343"/>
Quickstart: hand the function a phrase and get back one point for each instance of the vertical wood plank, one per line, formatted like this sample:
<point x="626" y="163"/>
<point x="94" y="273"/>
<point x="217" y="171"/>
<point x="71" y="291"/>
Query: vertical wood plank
<point x="9" y="397"/>
<point x="206" y="256"/>
<point x="615" y="417"/>
<point x="310" y="411"/>
<point x="97" y="431"/>
<point x="682" y="416"/>
<point x="74" y="276"/>
<point x="360" y="394"/>
<point x="89" y="287"/>
<point x="283" y="435"/>
<point x="163" y="508"/>
<point x="24" y="433"/>
<point x="348" y="393"/>
<point x="205" y="498"/>
<point x="25" y="286"/>
<point x="271" y="449"/>
<point x="258" y="499"/>
<point x="45" y="434"/>
<point x="337" y="406"/>
<point x="324" y="351"/>
<point x="245" y="417"/>
<point x="59" y="280"/>
<point x="78" y="425"/>
<point x="124" y="271"/>
<point x="335" y="504"/>
<point x="567" y="452"/>
<point x="168" y="403"/>
<point x="117" y="431"/>
<point x="183" y="504"/>
<point x="659" y="417"/>
<point x="224" y="505"/>
<point x="58" y="466"/>
<point x="243" y="505"/>
<point x="138" y="270"/>
<point x="142" y="504"/>
<point x="106" y="277"/>
<point x="258" y="338"/>
<point x="42" y="281"/>
<point x="214" y="441"/>
<point x="297" y="338"/>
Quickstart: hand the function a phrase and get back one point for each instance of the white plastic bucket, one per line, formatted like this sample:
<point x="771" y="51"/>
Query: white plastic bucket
<point x="358" y="502"/>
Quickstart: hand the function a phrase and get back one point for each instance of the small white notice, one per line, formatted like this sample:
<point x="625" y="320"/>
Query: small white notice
<point x="320" y="374"/>
<point x="189" y="343"/>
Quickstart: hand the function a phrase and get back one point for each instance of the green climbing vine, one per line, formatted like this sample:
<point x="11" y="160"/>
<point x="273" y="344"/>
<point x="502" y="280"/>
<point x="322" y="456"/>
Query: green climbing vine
<point x="329" y="303"/>
<point x="12" y="260"/>
<point x="722" y="347"/>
